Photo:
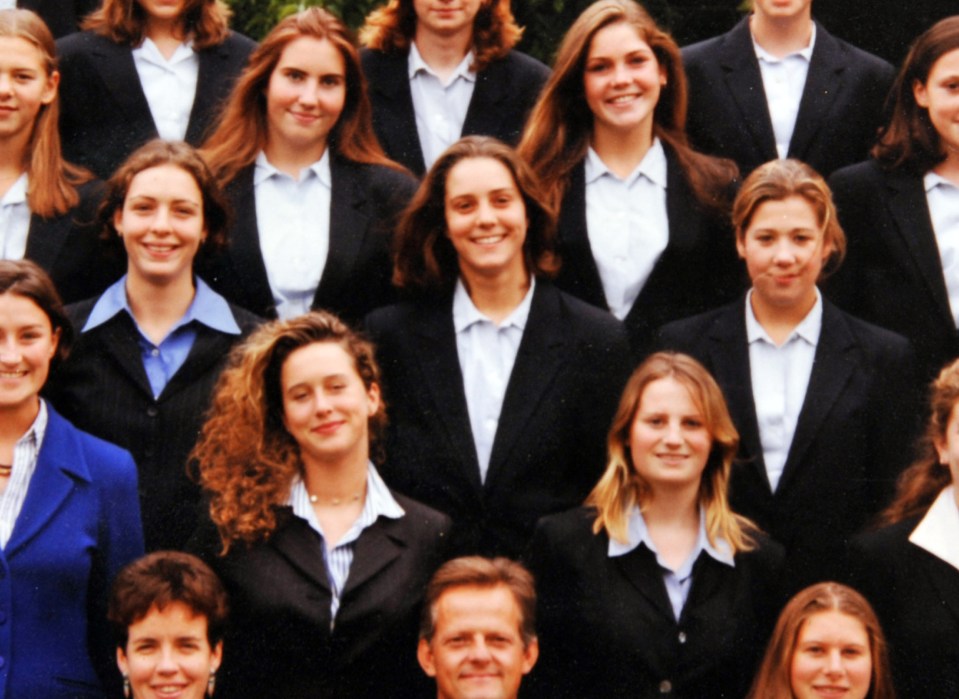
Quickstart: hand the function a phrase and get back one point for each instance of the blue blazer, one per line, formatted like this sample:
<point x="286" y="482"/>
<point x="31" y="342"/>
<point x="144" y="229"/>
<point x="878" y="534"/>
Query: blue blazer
<point x="79" y="525"/>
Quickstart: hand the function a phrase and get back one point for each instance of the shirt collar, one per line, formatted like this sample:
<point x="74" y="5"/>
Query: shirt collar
<point x="931" y="180"/>
<point x="379" y="500"/>
<point x="149" y="51"/>
<point x="263" y="170"/>
<point x="764" y="55"/>
<point x="38" y="428"/>
<point x="936" y="532"/>
<point x="415" y="64"/>
<point x="652" y="166"/>
<point x="808" y="329"/>
<point x="17" y="194"/>
<point x="465" y="312"/>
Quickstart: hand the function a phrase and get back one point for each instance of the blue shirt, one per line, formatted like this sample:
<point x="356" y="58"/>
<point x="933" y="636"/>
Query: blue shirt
<point x="161" y="361"/>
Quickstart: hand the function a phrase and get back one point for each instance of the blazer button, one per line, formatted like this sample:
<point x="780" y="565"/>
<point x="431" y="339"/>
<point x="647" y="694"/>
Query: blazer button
<point x="152" y="411"/>
<point x="665" y="687"/>
<point x="682" y="636"/>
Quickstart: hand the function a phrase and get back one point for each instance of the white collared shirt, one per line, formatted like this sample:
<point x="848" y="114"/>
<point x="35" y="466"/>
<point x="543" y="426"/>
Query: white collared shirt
<point x="678" y="581"/>
<point x="25" y="453"/>
<point x="15" y="220"/>
<point x="780" y="377"/>
<point x="440" y="107"/>
<point x="938" y="531"/>
<point x="487" y="353"/>
<point x="169" y="86"/>
<point x="942" y="197"/>
<point x="293" y="221"/>
<point x="783" y="81"/>
<point x="8" y="4"/>
<point x="627" y="224"/>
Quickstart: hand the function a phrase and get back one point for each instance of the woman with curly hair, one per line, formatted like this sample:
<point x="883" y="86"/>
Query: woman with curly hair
<point x="656" y="586"/>
<point x="325" y="566"/>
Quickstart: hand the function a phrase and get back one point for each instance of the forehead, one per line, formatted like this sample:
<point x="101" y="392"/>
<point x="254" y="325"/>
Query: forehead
<point x="667" y="391"/>
<point x="619" y="37"/>
<point x="832" y="624"/>
<point x="794" y="211"/>
<point x="313" y="54"/>
<point x="478" y="608"/>
<point x="17" y="51"/>
<point x="166" y="181"/>
<point x="325" y="358"/>
<point x="478" y="176"/>
<point x="22" y="310"/>
<point x="176" y="619"/>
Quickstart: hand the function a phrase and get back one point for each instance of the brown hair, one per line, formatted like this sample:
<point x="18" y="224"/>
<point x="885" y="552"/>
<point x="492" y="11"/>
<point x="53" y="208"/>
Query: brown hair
<point x="621" y="487"/>
<point x="125" y="22"/>
<point x="393" y="26"/>
<point x="781" y="179"/>
<point x="159" y="579"/>
<point x="25" y="278"/>
<point x="909" y="140"/>
<point x="558" y="131"/>
<point x="425" y="258"/>
<point x="52" y="189"/>
<point x="773" y="680"/>
<point x="242" y="129"/>
<point x="245" y="458"/>
<point x="476" y="571"/>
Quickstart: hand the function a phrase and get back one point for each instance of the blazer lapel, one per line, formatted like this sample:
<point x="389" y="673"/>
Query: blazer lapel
<point x="945" y="579"/>
<point x="579" y="272"/>
<point x="823" y="82"/>
<point x="492" y="85"/>
<point x="117" y="338"/>
<point x="209" y="348"/>
<point x="390" y="78"/>
<point x="378" y="546"/>
<point x="208" y="77"/>
<point x="46" y="238"/>
<point x="244" y="250"/>
<point x="118" y="72"/>
<point x="640" y="568"/>
<point x="302" y="547"/>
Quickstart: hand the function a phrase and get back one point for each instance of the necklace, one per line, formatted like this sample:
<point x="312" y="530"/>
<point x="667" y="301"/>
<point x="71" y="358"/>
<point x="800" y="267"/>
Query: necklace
<point x="5" y="470"/>
<point x="314" y="499"/>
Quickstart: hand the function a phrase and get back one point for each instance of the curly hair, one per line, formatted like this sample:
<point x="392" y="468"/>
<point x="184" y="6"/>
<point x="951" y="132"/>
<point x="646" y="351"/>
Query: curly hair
<point x="391" y="29"/>
<point x="125" y="22"/>
<point x="245" y="458"/>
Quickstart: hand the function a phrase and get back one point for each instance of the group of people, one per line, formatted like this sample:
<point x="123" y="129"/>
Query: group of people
<point x="350" y="331"/>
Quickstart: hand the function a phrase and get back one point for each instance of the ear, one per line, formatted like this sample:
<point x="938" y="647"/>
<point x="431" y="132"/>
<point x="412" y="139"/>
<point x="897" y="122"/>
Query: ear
<point x="424" y="654"/>
<point x="216" y="656"/>
<point x="117" y="218"/>
<point x="122" y="661"/>
<point x="663" y="81"/>
<point x="920" y="94"/>
<point x="50" y="89"/>
<point x="373" y="395"/>
<point x="741" y="247"/>
<point x="940" y="444"/>
<point x="56" y="342"/>
<point x="530" y="655"/>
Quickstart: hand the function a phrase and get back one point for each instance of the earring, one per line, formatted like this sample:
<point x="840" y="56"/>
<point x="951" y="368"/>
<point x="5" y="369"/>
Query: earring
<point x="211" y="684"/>
<point x="126" y="687"/>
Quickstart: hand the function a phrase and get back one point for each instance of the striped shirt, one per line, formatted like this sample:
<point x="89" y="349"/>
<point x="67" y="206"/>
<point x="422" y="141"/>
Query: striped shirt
<point x="25" y="454"/>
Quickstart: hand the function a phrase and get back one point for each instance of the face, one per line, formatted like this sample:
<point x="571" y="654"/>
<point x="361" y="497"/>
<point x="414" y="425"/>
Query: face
<point x="783" y="9"/>
<point x="305" y="95"/>
<point x="622" y="80"/>
<point x="163" y="10"/>
<point x="161" y="224"/>
<point x="477" y="649"/>
<point x="832" y="658"/>
<point x="445" y="17"/>
<point x="784" y="250"/>
<point x="668" y="440"/>
<point x="940" y="96"/>
<point x="326" y="407"/>
<point x="25" y="87"/>
<point x="168" y="654"/>
<point x="948" y="445"/>
<point x="27" y="345"/>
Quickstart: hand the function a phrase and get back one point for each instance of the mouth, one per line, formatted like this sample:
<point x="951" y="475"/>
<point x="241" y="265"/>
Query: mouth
<point x="160" y="250"/>
<point x="489" y="239"/>
<point x="830" y="690"/>
<point x="623" y="99"/>
<point x="305" y="118"/>
<point x="672" y="458"/>
<point x="15" y="374"/>
<point x="168" y="690"/>
<point x="327" y="428"/>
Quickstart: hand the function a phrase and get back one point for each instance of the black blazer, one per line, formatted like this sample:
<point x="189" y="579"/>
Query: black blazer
<point x="893" y="274"/>
<point x="281" y="642"/>
<point x="104" y="115"/>
<point x="549" y="449"/>
<point x="103" y="389"/>
<point x="365" y="203"/>
<point x="505" y="92"/>
<point x="606" y="627"/>
<point x="916" y="596"/>
<point x="697" y="270"/>
<point x="840" y="111"/>
<point x="61" y="16"/>
<point x="852" y="439"/>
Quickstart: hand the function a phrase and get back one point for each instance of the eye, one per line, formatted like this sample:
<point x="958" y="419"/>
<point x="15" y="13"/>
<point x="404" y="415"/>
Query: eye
<point x="295" y="75"/>
<point x="655" y="420"/>
<point x="693" y="423"/>
<point x="596" y="67"/>
<point x="638" y="59"/>
<point x="332" y="80"/>
<point x="463" y="205"/>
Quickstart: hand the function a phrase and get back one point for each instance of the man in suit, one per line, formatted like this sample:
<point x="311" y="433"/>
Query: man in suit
<point x="477" y="637"/>
<point x="779" y="85"/>
<point x="434" y="77"/>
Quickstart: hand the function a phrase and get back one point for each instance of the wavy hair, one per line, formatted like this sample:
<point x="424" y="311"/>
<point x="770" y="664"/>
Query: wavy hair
<point x="125" y="22"/>
<point x="391" y="29"/>
<point x="558" y="130"/>
<point x="242" y="128"/>
<point x="773" y="680"/>
<point x="52" y="188"/>
<point x="621" y="487"/>
<point x="245" y="458"/>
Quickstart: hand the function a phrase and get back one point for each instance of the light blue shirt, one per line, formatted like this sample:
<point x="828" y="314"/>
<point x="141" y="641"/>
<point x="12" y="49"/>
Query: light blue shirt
<point x="942" y="197"/>
<point x="161" y="361"/>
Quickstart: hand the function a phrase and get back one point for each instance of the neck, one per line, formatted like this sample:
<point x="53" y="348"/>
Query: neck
<point x="336" y="480"/>
<point x="949" y="168"/>
<point x="782" y="36"/>
<point x="676" y="507"/>
<point x="166" y="32"/>
<point x="13" y="157"/>
<point x="622" y="151"/>
<point x="777" y="321"/>
<point x="15" y="421"/>
<point x="497" y="297"/>
<point x="443" y="53"/>
<point x="291" y="160"/>
<point x="157" y="308"/>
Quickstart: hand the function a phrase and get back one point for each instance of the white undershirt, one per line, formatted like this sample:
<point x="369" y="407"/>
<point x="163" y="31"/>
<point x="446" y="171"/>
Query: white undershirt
<point x="783" y="81"/>
<point x="938" y="529"/>
<point x="942" y="197"/>
<point x="15" y="220"/>
<point x="169" y="86"/>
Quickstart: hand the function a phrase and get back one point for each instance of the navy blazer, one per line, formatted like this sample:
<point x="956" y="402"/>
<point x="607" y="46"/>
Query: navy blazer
<point x="104" y="115"/>
<point x="839" y="114"/>
<point x="80" y="524"/>
<point x="61" y="16"/>
<point x="505" y="92"/>
<point x="282" y="642"/>
<point x="607" y="629"/>
<point x="365" y="203"/>
<point x="550" y="445"/>
<point x="852" y="439"/>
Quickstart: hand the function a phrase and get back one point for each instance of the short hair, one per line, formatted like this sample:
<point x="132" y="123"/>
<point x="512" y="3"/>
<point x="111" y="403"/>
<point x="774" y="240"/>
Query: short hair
<point x="160" y="579"/>
<point x="27" y="279"/>
<point x="125" y="22"/>
<point x="426" y="259"/>
<point x="488" y="573"/>
<point x="773" y="680"/>
<point x="781" y="179"/>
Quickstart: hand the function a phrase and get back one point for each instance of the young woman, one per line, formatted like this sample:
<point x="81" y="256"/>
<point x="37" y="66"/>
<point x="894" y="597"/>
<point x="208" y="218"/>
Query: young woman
<point x="169" y="612"/>
<point x="656" y="586"/>
<point x="909" y="569"/>
<point x="45" y="202"/>
<point x="145" y="69"/>
<point x="825" y="403"/>
<point x="314" y="196"/>
<point x="900" y="209"/>
<point x="69" y="513"/>
<point x="152" y="345"/>
<point x="325" y="565"/>
<point x="827" y="642"/>
<point x="489" y="369"/>
<point x="640" y="227"/>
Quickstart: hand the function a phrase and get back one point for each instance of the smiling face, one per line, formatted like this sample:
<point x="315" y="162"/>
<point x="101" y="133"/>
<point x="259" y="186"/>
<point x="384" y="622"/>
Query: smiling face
<point x="832" y="658"/>
<point x="165" y="12"/>
<point x="940" y="96"/>
<point x="27" y="345"/>
<point x="445" y="18"/>
<point x="25" y="87"/>
<point x="783" y="9"/>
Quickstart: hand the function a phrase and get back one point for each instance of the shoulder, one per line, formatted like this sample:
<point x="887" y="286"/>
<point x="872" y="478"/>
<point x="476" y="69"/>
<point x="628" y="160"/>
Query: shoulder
<point x="692" y="329"/>
<point x="380" y="181"/>
<point x="768" y="555"/>
<point x="579" y="314"/>
<point x="79" y="312"/>
<point x="422" y="517"/>
<point x="865" y="174"/>
<point x="878" y="544"/>
<point x="396" y="319"/>
<point x="703" y="53"/>
<point x="239" y="43"/>
<point x="873" y="339"/>
<point x="523" y="66"/>
<point x="247" y="321"/>
<point x="572" y="525"/>
<point x="374" y="61"/>
<point x="107" y="463"/>
<point x="83" y="43"/>
<point x="857" y="60"/>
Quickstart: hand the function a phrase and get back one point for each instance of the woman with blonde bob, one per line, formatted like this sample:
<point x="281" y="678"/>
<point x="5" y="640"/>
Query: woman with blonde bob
<point x="312" y="546"/>
<point x="827" y="637"/>
<point x="655" y="577"/>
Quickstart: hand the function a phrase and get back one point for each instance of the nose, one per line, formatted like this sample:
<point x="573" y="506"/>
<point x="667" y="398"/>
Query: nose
<point x="486" y="216"/>
<point x="321" y="404"/>
<point x="162" y="220"/>
<point x="10" y="353"/>
<point x="784" y="253"/>
<point x="674" y="434"/>
<point x="479" y="651"/>
<point x="5" y="84"/>
<point x="834" y="664"/>
<point x="166" y="663"/>
<point x="309" y="93"/>
<point x="621" y="73"/>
